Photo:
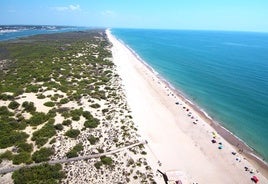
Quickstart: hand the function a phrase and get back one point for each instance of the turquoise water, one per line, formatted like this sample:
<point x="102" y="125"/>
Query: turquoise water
<point x="224" y="73"/>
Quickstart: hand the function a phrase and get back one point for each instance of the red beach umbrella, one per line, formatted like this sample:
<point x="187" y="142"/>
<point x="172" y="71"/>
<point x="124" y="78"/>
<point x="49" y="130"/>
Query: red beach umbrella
<point x="255" y="179"/>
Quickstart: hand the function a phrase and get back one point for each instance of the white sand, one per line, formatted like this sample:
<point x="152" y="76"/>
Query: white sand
<point x="173" y="138"/>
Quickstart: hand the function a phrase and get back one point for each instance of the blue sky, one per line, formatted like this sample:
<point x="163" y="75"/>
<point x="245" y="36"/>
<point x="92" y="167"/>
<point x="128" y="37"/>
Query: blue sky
<point x="243" y="15"/>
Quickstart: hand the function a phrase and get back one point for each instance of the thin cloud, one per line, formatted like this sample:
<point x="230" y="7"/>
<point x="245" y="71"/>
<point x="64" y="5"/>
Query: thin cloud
<point x="67" y="8"/>
<point x="74" y="7"/>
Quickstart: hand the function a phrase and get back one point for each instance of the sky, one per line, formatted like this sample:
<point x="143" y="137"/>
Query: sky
<point x="238" y="15"/>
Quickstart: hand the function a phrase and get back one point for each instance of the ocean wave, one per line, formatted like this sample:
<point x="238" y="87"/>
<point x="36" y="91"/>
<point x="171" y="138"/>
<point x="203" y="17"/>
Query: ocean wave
<point x="238" y="44"/>
<point x="206" y="114"/>
<point x="8" y="31"/>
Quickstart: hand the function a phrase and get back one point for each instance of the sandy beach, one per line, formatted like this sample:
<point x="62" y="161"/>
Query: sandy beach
<point x="145" y="125"/>
<point x="179" y="138"/>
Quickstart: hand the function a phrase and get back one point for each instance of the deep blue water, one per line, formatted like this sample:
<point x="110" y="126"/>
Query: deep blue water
<point x="224" y="73"/>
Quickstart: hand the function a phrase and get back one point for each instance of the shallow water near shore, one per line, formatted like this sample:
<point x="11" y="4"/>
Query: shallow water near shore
<point x="224" y="73"/>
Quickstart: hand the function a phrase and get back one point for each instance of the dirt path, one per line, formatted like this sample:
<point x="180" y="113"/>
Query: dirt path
<point x="11" y="169"/>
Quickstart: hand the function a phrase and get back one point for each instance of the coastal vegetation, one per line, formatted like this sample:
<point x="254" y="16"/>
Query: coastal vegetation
<point x="72" y="133"/>
<point x="45" y="173"/>
<point x="42" y="135"/>
<point x="74" y="151"/>
<point x="58" y="91"/>
<point x="42" y="155"/>
<point x="13" y="105"/>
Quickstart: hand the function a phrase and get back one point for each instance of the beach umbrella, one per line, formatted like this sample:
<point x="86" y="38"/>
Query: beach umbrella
<point x="220" y="147"/>
<point x="213" y="141"/>
<point x="255" y="179"/>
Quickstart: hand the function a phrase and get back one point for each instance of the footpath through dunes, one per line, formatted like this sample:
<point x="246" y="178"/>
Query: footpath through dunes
<point x="61" y="99"/>
<point x="178" y="137"/>
<point x="85" y="157"/>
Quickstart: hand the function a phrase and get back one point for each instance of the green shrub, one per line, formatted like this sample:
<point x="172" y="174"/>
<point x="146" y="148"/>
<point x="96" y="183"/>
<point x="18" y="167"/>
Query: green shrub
<point x="135" y="177"/>
<point x="6" y="97"/>
<point x="32" y="88"/>
<point x="49" y="104"/>
<point x="76" y="114"/>
<point x="18" y="92"/>
<point x="25" y="147"/>
<point x="38" y="118"/>
<point x="72" y="133"/>
<point x="58" y="126"/>
<point x="93" y="123"/>
<point x="76" y="118"/>
<point x="71" y="154"/>
<point x="106" y="160"/>
<point x="41" y="174"/>
<point x="23" y="157"/>
<point x="41" y="136"/>
<point x="143" y="153"/>
<point x="42" y="155"/>
<point x="64" y="101"/>
<point x="18" y="125"/>
<point x="98" y="164"/>
<point x="87" y="115"/>
<point x="93" y="139"/>
<point x="95" y="106"/>
<point x="78" y="147"/>
<point x="62" y="110"/>
<point x="74" y="151"/>
<point x="54" y="98"/>
<point x="41" y="96"/>
<point x="104" y="111"/>
<point x="10" y="137"/>
<point x="67" y="122"/>
<point x="13" y="105"/>
<point x="20" y="117"/>
<point x="66" y="114"/>
<point x="100" y="150"/>
<point x="5" y="112"/>
<point x="29" y="106"/>
<point x="6" y="155"/>
<point x="52" y="113"/>
<point x="52" y="141"/>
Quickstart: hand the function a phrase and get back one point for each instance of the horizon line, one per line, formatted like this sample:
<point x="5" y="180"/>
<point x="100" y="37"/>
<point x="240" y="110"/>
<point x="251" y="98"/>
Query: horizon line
<point x="142" y="28"/>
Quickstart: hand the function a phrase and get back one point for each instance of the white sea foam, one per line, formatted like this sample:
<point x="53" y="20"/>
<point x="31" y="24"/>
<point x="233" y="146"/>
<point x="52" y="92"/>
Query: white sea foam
<point x="239" y="44"/>
<point x="8" y="31"/>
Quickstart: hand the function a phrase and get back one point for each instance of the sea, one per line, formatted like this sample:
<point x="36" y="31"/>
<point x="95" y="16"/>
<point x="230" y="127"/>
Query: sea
<point x="224" y="73"/>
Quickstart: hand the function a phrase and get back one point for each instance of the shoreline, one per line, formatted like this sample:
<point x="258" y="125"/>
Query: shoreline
<point x="233" y="139"/>
<point x="224" y="133"/>
<point x="241" y="146"/>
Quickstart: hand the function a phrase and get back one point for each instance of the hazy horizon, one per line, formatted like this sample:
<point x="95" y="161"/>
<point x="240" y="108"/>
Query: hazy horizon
<point x="176" y="15"/>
